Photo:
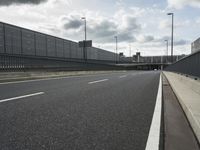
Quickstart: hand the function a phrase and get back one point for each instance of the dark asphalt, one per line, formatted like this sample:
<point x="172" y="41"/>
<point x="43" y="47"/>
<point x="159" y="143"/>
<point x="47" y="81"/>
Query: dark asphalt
<point x="71" y="114"/>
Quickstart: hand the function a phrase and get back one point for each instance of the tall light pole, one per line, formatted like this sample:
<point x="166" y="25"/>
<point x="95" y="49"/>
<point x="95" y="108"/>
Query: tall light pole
<point x="172" y="36"/>
<point x="167" y="44"/>
<point x="84" y="42"/>
<point x="116" y="40"/>
<point x="130" y="49"/>
<point x="84" y="18"/>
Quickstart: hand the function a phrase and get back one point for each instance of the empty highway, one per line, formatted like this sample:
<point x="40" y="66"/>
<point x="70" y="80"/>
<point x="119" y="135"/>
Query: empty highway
<point x="92" y="112"/>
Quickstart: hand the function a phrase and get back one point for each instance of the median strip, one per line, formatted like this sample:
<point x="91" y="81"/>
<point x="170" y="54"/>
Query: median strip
<point x="103" y="80"/>
<point x="20" y="97"/>
<point x="154" y="133"/>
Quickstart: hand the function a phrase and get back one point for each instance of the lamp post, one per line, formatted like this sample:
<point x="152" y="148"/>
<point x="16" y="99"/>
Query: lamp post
<point x="84" y="42"/>
<point x="130" y="49"/>
<point x="172" y="36"/>
<point x="116" y="40"/>
<point x="167" y="42"/>
<point x="84" y="18"/>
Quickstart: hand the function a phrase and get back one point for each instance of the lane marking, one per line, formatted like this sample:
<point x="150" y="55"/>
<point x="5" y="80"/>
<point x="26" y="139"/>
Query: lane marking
<point x="34" y="80"/>
<point x="124" y="76"/>
<point x="54" y="78"/>
<point x="20" y="97"/>
<point x="154" y="133"/>
<point x="103" y="80"/>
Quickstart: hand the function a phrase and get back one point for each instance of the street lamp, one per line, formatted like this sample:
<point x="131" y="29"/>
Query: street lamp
<point x="84" y="18"/>
<point x="116" y="40"/>
<point x="167" y="46"/>
<point x="172" y="36"/>
<point x="84" y="42"/>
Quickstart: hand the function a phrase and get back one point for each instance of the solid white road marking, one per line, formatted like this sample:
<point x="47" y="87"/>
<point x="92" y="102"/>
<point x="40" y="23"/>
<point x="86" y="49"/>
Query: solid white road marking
<point x="154" y="133"/>
<point x="51" y="78"/>
<point x="123" y="76"/>
<point x="103" y="80"/>
<point x="34" y="80"/>
<point x="19" y="97"/>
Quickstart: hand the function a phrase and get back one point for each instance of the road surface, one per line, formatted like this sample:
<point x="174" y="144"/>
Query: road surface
<point x="92" y="112"/>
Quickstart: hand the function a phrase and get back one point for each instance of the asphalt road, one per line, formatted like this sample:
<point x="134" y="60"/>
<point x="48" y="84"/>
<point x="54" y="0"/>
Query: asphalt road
<point x="92" y="112"/>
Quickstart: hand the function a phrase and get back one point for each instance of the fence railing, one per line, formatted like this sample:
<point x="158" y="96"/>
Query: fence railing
<point x="21" y="63"/>
<point x="189" y="65"/>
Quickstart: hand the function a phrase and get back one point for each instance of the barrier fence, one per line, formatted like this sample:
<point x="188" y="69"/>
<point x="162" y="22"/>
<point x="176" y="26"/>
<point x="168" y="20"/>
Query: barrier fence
<point x="22" y="48"/>
<point x="22" y="63"/>
<point x="189" y="65"/>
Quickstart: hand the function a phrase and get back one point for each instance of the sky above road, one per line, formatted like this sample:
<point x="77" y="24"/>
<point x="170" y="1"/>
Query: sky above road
<point x="141" y="25"/>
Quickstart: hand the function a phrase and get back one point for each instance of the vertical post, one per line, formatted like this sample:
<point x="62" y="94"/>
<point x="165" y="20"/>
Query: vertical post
<point x="84" y="42"/>
<point x="172" y="44"/>
<point x="172" y="35"/>
<point x="166" y="51"/>
<point x="85" y="30"/>
<point x="166" y="47"/>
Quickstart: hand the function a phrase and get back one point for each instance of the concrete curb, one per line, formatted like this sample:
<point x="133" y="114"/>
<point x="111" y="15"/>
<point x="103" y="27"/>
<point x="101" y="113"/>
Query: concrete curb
<point x="21" y="76"/>
<point x="187" y="91"/>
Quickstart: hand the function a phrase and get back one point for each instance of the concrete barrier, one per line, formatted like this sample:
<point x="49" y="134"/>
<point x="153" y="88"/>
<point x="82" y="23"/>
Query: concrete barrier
<point x="187" y="91"/>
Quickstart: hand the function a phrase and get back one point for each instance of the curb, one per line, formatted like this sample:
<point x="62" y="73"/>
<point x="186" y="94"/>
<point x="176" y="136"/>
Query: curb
<point x="195" y="124"/>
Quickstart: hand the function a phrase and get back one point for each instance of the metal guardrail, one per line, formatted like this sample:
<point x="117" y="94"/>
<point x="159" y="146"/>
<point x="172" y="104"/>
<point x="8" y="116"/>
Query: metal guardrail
<point x="189" y="65"/>
<point x="22" y="63"/>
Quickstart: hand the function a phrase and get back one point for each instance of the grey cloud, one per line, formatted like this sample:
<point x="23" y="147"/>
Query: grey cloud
<point x="149" y="38"/>
<point x="132" y="24"/>
<point x="72" y="24"/>
<point x="107" y="29"/>
<point x="145" y="38"/>
<point x="11" y="2"/>
<point x="101" y="31"/>
<point x="122" y="37"/>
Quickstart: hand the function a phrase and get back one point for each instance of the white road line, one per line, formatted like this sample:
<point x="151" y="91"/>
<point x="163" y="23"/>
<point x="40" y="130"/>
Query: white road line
<point x="50" y="78"/>
<point x="19" y="97"/>
<point x="103" y="80"/>
<point x="154" y="133"/>
<point x="124" y="76"/>
<point x="34" y="80"/>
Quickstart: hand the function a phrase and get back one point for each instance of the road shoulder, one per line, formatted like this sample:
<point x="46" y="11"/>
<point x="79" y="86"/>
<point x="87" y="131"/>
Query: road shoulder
<point x="177" y="130"/>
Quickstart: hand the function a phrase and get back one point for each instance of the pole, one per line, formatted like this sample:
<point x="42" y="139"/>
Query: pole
<point x="172" y="44"/>
<point x="167" y="47"/>
<point x="85" y="30"/>
<point x="84" y="42"/>
<point x="172" y="36"/>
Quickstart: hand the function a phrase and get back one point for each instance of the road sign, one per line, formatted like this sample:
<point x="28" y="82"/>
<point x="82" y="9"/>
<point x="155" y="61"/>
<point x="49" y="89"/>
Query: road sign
<point x="84" y="43"/>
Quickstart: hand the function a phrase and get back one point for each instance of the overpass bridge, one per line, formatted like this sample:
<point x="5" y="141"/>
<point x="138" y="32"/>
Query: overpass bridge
<point x="144" y="66"/>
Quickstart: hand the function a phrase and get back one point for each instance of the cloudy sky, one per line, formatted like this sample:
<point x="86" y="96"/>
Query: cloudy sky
<point x="141" y="25"/>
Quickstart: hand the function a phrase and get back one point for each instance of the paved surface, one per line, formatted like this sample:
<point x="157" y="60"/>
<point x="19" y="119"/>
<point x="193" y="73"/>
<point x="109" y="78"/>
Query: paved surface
<point x="178" y="133"/>
<point x="187" y="91"/>
<point x="102" y="112"/>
